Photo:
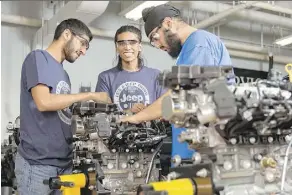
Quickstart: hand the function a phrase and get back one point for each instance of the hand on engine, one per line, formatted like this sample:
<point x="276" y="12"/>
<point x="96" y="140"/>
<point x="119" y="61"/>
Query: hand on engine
<point x="130" y="119"/>
<point x="137" y="107"/>
<point x="101" y="97"/>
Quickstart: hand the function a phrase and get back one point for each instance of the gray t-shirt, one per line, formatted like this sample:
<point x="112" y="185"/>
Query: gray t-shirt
<point x="127" y="88"/>
<point x="45" y="137"/>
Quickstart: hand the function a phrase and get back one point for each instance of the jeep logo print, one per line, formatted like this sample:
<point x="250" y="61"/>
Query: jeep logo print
<point x="130" y="93"/>
<point x="65" y="114"/>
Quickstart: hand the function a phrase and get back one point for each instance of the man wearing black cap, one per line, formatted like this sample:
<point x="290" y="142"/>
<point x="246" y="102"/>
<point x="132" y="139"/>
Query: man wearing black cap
<point x="167" y="31"/>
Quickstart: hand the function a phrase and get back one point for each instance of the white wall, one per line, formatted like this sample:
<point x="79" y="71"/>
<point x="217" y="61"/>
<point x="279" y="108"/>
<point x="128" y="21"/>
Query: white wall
<point x="15" y="46"/>
<point x="32" y="9"/>
<point x="16" y="43"/>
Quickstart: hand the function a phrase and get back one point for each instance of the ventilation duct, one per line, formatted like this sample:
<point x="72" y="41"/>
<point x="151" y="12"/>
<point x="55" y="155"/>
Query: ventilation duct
<point x="86" y="11"/>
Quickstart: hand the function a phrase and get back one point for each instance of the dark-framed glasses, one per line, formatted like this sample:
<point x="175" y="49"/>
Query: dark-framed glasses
<point x="84" y="42"/>
<point x="154" y="37"/>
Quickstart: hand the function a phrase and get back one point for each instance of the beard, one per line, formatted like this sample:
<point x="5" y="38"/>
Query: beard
<point x="173" y="42"/>
<point x="70" y="51"/>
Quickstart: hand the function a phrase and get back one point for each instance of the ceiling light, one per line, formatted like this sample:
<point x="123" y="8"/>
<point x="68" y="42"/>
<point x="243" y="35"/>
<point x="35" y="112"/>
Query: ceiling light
<point x="136" y="13"/>
<point x="284" y="41"/>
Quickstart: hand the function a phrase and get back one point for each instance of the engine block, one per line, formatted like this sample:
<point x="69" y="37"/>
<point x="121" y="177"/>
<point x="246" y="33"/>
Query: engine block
<point x="124" y="172"/>
<point x="124" y="155"/>
<point x="242" y="131"/>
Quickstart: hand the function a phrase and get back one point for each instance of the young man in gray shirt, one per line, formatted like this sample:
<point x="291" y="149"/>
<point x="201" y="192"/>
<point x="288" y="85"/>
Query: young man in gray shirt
<point x="46" y="147"/>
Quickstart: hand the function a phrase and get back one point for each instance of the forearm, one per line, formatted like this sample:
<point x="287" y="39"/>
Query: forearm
<point x="58" y="102"/>
<point x="153" y="111"/>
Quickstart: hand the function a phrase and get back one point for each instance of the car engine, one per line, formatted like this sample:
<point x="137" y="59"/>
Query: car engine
<point x="241" y="134"/>
<point x="8" y="152"/>
<point x="123" y="155"/>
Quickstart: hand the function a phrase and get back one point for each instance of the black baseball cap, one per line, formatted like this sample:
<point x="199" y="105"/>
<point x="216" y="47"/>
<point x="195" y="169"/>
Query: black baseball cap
<point x="153" y="16"/>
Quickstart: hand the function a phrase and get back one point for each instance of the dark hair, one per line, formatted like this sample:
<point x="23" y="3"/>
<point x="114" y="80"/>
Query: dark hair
<point x="74" y="25"/>
<point x="135" y="30"/>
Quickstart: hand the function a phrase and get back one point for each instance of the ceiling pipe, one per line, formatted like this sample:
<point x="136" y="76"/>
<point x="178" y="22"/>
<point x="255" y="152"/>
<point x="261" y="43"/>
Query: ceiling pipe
<point x="271" y="7"/>
<point x="234" y="24"/>
<point x="231" y="45"/>
<point x="31" y="22"/>
<point x="260" y="57"/>
<point x="244" y="47"/>
<point x="251" y="15"/>
<point x="86" y="11"/>
<point x="216" y="18"/>
<point x="20" y="20"/>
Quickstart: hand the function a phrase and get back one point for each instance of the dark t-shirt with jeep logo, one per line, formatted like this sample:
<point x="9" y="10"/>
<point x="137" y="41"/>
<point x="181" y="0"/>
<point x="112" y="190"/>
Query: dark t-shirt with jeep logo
<point x="128" y="88"/>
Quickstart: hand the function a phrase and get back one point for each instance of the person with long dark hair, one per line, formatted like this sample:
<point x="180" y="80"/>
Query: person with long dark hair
<point x="130" y="84"/>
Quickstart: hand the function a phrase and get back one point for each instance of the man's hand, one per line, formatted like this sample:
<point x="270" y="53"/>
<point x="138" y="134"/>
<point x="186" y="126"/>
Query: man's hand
<point x="130" y="119"/>
<point x="137" y="107"/>
<point x="102" y="97"/>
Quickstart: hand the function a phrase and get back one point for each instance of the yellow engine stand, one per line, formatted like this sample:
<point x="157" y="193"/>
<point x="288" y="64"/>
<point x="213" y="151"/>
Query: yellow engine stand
<point x="79" y="181"/>
<point x="71" y="184"/>
<point x="184" y="186"/>
<point x="288" y="69"/>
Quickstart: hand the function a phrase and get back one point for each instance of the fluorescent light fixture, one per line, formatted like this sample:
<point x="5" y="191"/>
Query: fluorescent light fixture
<point x="136" y="13"/>
<point x="284" y="41"/>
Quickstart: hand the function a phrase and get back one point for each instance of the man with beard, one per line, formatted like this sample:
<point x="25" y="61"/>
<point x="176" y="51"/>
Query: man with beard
<point x="46" y="149"/>
<point x="167" y="31"/>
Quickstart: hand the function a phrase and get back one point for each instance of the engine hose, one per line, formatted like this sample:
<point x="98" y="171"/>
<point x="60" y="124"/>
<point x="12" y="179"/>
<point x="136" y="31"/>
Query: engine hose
<point x="132" y="129"/>
<point x="231" y="124"/>
<point x="244" y="129"/>
<point x="249" y="123"/>
<point x="285" y="125"/>
<point x="113" y="139"/>
<point x="152" y="162"/>
<point x="138" y="129"/>
<point x="243" y="125"/>
<point x="238" y="126"/>
<point x="155" y="124"/>
<point x="164" y="128"/>
<point x="138" y="142"/>
<point x="221" y="133"/>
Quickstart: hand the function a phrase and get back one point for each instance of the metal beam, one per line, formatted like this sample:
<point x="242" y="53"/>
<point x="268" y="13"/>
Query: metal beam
<point x="216" y="18"/>
<point x="250" y="15"/>
<point x="274" y="8"/>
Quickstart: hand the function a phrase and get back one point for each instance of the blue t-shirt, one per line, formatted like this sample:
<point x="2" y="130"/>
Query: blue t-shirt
<point x="203" y="49"/>
<point x="45" y="137"/>
<point x="127" y="88"/>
